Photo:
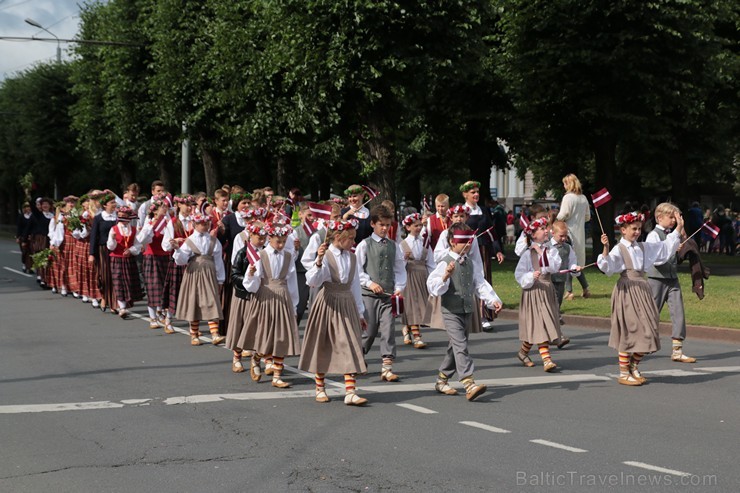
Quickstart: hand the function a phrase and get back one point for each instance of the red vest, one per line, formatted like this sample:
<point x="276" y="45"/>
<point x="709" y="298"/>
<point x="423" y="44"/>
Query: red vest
<point x="393" y="231"/>
<point x="155" y="246"/>
<point x="122" y="242"/>
<point x="436" y="225"/>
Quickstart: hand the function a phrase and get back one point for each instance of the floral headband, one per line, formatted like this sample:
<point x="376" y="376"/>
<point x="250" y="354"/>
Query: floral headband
<point x="535" y="225"/>
<point x="342" y="225"/>
<point x="354" y="190"/>
<point x="257" y="213"/>
<point x="469" y="185"/>
<point x="107" y="198"/>
<point x="238" y="197"/>
<point x="278" y="229"/>
<point x="629" y="218"/>
<point x="458" y="209"/>
<point x="70" y="198"/>
<point x="257" y="229"/>
<point x="411" y="219"/>
<point x="125" y="214"/>
<point x="199" y="218"/>
<point x="184" y="199"/>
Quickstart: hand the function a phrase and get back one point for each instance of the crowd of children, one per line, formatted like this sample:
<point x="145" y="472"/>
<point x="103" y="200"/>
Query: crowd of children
<point x="251" y="265"/>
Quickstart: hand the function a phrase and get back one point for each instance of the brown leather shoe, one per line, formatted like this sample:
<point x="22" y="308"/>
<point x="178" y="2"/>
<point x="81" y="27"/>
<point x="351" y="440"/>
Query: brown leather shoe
<point x="419" y="344"/>
<point x="217" y="339"/>
<point x="682" y="358"/>
<point x="237" y="367"/>
<point x="168" y="329"/>
<point x="444" y="388"/>
<point x="353" y="399"/>
<point x="195" y="341"/>
<point x="321" y="396"/>
<point x="474" y="391"/>
<point x="388" y="376"/>
<point x="564" y="341"/>
<point x="525" y="359"/>
<point x="280" y="384"/>
<point x="629" y="380"/>
<point x="550" y="366"/>
<point x="255" y="372"/>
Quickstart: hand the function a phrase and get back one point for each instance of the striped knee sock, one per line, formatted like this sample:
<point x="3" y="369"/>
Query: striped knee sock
<point x="467" y="382"/>
<point x="544" y="351"/>
<point x="525" y="347"/>
<point x="277" y="367"/>
<point x="319" y="379"/>
<point x="213" y="326"/>
<point x="194" y="331"/>
<point x="624" y="364"/>
<point x="349" y="383"/>
<point x="237" y="355"/>
<point x="387" y="363"/>
<point x="636" y="358"/>
<point x="416" y="332"/>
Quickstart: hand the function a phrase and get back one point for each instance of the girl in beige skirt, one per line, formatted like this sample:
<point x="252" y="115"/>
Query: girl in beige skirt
<point x="332" y="342"/>
<point x="419" y="263"/>
<point x="635" y="317"/>
<point x="270" y="323"/>
<point x="539" y="312"/>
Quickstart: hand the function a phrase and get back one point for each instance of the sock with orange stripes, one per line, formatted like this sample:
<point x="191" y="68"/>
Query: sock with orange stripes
<point x="320" y="384"/>
<point x="277" y="367"/>
<point x="349" y="383"/>
<point x="194" y="330"/>
<point x="624" y="364"/>
<point x="213" y="327"/>
<point x="544" y="349"/>
<point x="415" y="332"/>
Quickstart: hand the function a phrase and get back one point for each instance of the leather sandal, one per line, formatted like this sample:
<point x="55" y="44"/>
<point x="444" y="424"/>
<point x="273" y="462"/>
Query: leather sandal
<point x="525" y="359"/>
<point x="217" y="339"/>
<point x="237" y="367"/>
<point x="444" y="388"/>
<point x="474" y="391"/>
<point x="254" y="370"/>
<point x="419" y="344"/>
<point x="407" y="336"/>
<point x="549" y="366"/>
<point x="564" y="341"/>
<point x="388" y="376"/>
<point x="629" y="380"/>
<point x="195" y="341"/>
<point x="279" y="383"/>
<point x="321" y="396"/>
<point x="353" y="399"/>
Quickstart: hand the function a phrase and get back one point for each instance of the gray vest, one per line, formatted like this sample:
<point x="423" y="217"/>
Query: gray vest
<point x="379" y="264"/>
<point x="303" y="238"/>
<point x="564" y="252"/>
<point x="669" y="270"/>
<point x="460" y="296"/>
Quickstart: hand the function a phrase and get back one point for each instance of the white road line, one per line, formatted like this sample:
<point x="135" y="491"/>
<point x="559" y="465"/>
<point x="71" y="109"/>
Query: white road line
<point x="656" y="468"/>
<point x="721" y="369"/>
<point x="64" y="406"/>
<point x="418" y="409"/>
<point x="482" y="426"/>
<point x="17" y="272"/>
<point x="548" y="443"/>
<point x="15" y="251"/>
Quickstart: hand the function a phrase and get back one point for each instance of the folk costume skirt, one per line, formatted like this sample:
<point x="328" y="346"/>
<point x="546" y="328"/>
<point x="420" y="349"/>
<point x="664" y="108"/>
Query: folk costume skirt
<point x="199" y="293"/>
<point x="271" y="326"/>
<point x="635" y="317"/>
<point x="539" y="313"/>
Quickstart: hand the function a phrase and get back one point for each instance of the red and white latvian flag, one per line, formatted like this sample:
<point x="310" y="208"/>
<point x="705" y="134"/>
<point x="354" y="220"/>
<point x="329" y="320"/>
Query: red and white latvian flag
<point x="308" y="228"/>
<point x="371" y="192"/>
<point x="396" y="305"/>
<point x="253" y="255"/>
<point x="601" y="197"/>
<point x="320" y="211"/>
<point x="711" y="229"/>
<point x="523" y="221"/>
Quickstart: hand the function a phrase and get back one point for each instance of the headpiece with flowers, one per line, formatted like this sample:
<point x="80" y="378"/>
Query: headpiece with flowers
<point x="257" y="229"/>
<point x="184" y="198"/>
<point x="125" y="214"/>
<point x="238" y="197"/>
<point x="199" y="218"/>
<point x="278" y="218"/>
<point x="629" y="218"/>
<point x="104" y="199"/>
<point x="256" y="213"/>
<point x="458" y="209"/>
<point x="340" y="225"/>
<point x="411" y="219"/>
<point x="469" y="185"/>
<point x="156" y="204"/>
<point x="278" y="229"/>
<point x="354" y="190"/>
<point x="71" y="198"/>
<point x="535" y="225"/>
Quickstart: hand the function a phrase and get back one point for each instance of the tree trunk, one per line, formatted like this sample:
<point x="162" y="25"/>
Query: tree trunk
<point x="480" y="161"/>
<point x="128" y="174"/>
<point x="285" y="180"/>
<point x="605" y="149"/>
<point x="379" y="152"/>
<point x="679" y="182"/>
<point x="164" y="174"/>
<point x="211" y="167"/>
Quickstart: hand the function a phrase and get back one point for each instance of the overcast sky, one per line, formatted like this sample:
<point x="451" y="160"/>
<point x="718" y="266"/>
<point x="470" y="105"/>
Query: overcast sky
<point x="61" y="17"/>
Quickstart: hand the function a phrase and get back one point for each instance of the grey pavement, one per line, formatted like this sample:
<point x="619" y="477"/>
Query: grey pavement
<point x="89" y="402"/>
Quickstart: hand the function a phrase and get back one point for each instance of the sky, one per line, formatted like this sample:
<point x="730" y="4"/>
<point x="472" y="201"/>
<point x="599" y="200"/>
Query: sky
<point x="61" y="17"/>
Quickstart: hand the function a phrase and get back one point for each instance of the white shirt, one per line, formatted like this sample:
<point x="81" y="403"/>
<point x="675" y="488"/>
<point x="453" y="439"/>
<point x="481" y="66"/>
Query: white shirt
<point x="653" y="237"/>
<point x="399" y="264"/>
<point x="142" y="211"/>
<point x="202" y="242"/>
<point x="438" y="287"/>
<point x="653" y="252"/>
<point x="524" y="273"/>
<point x="362" y="213"/>
<point x="252" y="283"/>
<point x="126" y="230"/>
<point x="56" y="232"/>
<point x="416" y="245"/>
<point x="146" y="232"/>
<point x="317" y="276"/>
<point x="473" y="252"/>
<point x="475" y="209"/>
<point x="521" y="244"/>
<point x="309" y="253"/>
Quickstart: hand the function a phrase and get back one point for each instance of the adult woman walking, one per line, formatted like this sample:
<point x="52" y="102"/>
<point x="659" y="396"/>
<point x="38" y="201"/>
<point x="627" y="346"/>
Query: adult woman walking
<point x="574" y="210"/>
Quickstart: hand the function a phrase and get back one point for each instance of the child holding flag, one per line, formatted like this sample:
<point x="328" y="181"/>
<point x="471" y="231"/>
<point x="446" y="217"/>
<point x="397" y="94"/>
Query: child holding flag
<point x="156" y="259"/>
<point x="419" y="263"/>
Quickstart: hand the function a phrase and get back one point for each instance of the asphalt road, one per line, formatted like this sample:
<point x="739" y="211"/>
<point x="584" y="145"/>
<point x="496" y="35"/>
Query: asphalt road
<point x="89" y="402"/>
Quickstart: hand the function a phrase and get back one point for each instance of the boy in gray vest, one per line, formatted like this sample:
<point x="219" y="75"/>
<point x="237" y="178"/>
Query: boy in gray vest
<point x="459" y="286"/>
<point x="663" y="280"/>
<point x="301" y="236"/>
<point x="567" y="261"/>
<point x="382" y="273"/>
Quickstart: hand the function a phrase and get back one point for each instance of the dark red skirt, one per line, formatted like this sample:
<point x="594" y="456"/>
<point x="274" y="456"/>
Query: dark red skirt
<point x="55" y="272"/>
<point x="172" y="283"/>
<point x="126" y="283"/>
<point x="155" y="273"/>
<point x="104" y="279"/>
<point x="70" y="278"/>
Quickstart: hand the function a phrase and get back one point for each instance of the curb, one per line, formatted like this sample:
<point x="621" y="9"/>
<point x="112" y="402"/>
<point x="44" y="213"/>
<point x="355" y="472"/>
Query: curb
<point x="721" y="334"/>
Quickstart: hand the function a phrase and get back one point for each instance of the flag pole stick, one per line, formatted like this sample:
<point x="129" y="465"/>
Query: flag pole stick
<point x="692" y="234"/>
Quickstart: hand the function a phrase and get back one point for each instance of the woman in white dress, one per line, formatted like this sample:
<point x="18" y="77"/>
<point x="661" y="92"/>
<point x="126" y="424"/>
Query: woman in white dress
<point x="575" y="211"/>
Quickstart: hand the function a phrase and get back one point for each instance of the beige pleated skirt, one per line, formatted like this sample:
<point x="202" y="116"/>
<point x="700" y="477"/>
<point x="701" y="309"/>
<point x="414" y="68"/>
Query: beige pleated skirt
<point x="416" y="294"/>
<point x="199" y="293"/>
<point x="237" y="319"/>
<point x="332" y="341"/>
<point x="635" y="317"/>
<point x="539" y="313"/>
<point x="270" y="326"/>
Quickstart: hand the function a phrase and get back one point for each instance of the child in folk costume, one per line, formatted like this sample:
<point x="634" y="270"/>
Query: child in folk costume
<point x="301" y="238"/>
<point x="635" y="317"/>
<point x="271" y="328"/>
<point x="124" y="247"/>
<point x="568" y="261"/>
<point x="459" y="285"/>
<point x="419" y="263"/>
<point x="178" y="229"/>
<point x="156" y="259"/>
<point x="382" y="274"/>
<point x="663" y="280"/>
<point x="87" y="275"/>
<point x="332" y="341"/>
<point x="438" y="222"/>
<point x="199" y="292"/>
<point x="536" y="211"/>
<point x="355" y="195"/>
<point x="56" y="243"/>
<point x="255" y="235"/>
<point x="37" y="232"/>
<point x="70" y="277"/>
<point x="23" y="219"/>
<point x="539" y="315"/>
<point x="101" y="227"/>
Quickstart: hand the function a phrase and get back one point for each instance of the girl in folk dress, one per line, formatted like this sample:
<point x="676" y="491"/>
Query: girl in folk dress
<point x="635" y="317"/>
<point x="254" y="234"/>
<point x="332" y="341"/>
<point x="539" y="313"/>
<point x="102" y="225"/>
<point x="124" y="247"/>
<point x="199" y="294"/>
<point x="177" y="231"/>
<point x="56" y="243"/>
<point x="419" y="263"/>
<point x="70" y="278"/>
<point x="271" y="328"/>
<point x="156" y="259"/>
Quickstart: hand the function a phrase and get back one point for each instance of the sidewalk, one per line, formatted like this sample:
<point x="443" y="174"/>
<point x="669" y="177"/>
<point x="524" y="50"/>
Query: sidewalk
<point x="600" y="323"/>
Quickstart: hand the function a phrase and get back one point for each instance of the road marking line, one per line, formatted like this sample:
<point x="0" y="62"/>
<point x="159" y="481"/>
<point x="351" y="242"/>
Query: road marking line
<point x="18" y="272"/>
<point x="15" y="251"/>
<point x="548" y="443"/>
<point x="720" y="369"/>
<point x="482" y="426"/>
<point x="64" y="406"/>
<point x="418" y="409"/>
<point x="656" y="468"/>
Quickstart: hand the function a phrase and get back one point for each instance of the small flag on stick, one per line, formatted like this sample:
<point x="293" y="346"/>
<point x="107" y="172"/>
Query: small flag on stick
<point x="710" y="228"/>
<point x="252" y="255"/>
<point x="320" y="211"/>
<point x="308" y="228"/>
<point x="523" y="221"/>
<point x="371" y="192"/>
<point x="601" y="197"/>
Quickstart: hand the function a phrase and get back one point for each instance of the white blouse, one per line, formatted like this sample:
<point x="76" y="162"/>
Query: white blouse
<point x="252" y="282"/>
<point x="524" y="272"/>
<point x="416" y="245"/>
<point x="317" y="276"/>
<point x="202" y="241"/>
<point x="613" y="263"/>
<point x="438" y="287"/>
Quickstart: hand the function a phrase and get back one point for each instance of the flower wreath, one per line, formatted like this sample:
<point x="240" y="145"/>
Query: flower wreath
<point x="278" y="229"/>
<point x="469" y="185"/>
<point x="411" y="219"/>
<point x="354" y="190"/>
<point x="629" y="218"/>
<point x="238" y="197"/>
<point x="257" y="213"/>
<point x="535" y="225"/>
<point x="184" y="199"/>
<point x="340" y="225"/>
<point x="199" y="218"/>
<point x="458" y="209"/>
<point x="156" y="204"/>
<point x="257" y="229"/>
